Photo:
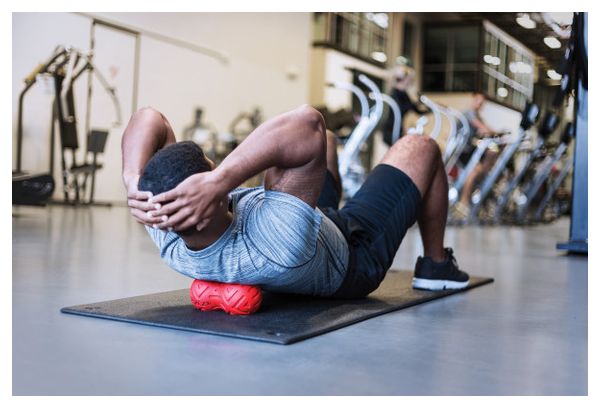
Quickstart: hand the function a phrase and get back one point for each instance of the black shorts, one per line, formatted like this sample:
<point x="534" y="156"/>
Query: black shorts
<point x="374" y="222"/>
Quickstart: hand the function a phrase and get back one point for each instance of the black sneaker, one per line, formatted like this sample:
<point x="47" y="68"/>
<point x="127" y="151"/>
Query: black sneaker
<point x="430" y="275"/>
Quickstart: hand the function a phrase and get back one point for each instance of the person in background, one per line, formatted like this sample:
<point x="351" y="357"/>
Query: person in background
<point x="479" y="129"/>
<point x="403" y="79"/>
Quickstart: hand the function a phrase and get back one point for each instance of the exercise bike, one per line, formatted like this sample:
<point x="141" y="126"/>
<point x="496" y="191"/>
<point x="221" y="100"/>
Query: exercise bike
<point x="352" y="172"/>
<point x="551" y="207"/>
<point x="530" y="191"/>
<point x="480" y="198"/>
<point x="456" y="145"/>
<point x="548" y="126"/>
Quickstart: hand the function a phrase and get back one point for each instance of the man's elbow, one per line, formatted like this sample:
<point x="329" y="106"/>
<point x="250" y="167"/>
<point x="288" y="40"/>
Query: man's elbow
<point x="312" y="119"/>
<point x="147" y="114"/>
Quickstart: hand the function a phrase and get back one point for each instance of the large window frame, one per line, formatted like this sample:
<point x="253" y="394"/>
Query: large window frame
<point x="515" y="71"/>
<point x="448" y="66"/>
<point x="355" y="34"/>
<point x="503" y="68"/>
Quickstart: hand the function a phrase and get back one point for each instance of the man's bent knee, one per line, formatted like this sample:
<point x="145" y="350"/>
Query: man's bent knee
<point x="419" y="147"/>
<point x="418" y="157"/>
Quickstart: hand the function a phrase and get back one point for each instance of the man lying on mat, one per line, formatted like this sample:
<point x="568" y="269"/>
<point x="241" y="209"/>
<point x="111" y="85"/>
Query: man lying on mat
<point x="289" y="235"/>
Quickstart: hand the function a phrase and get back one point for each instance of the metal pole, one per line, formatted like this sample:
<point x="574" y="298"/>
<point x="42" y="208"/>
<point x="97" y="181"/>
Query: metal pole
<point x="88" y="113"/>
<point x="136" y="73"/>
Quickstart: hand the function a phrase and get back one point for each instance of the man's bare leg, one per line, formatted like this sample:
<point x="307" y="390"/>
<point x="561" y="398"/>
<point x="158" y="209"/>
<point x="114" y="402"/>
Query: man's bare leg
<point x="419" y="157"/>
<point x="489" y="159"/>
<point x="469" y="187"/>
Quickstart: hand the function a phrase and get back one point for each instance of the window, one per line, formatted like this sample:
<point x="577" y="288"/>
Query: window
<point x="363" y="35"/>
<point x="408" y="39"/>
<point x="450" y="60"/>
<point x="507" y="67"/>
<point x="477" y="57"/>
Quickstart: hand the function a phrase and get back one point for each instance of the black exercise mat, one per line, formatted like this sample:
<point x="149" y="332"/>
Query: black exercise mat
<point x="281" y="319"/>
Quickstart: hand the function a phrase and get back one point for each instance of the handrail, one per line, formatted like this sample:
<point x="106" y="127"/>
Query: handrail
<point x="437" y="125"/>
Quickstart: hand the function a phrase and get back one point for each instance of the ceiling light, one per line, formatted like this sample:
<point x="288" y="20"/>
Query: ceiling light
<point x="379" y="56"/>
<point x="520" y="67"/>
<point x="552" y="74"/>
<point x="402" y="60"/>
<point x="502" y="92"/>
<point x="525" y="21"/>
<point x="491" y="59"/>
<point x="380" y="19"/>
<point x="552" y="42"/>
<point x="561" y="18"/>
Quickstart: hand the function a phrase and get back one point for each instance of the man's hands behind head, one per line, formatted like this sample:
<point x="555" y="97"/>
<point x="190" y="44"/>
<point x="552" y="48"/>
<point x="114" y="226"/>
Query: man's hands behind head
<point x="193" y="203"/>
<point x="138" y="203"/>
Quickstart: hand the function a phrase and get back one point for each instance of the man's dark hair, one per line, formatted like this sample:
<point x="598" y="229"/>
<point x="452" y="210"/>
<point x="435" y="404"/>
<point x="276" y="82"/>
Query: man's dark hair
<point x="171" y="165"/>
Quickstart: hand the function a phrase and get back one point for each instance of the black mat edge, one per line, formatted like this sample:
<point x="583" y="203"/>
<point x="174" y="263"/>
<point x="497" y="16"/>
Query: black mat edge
<point x="283" y="341"/>
<point x="440" y="295"/>
<point x="69" y="310"/>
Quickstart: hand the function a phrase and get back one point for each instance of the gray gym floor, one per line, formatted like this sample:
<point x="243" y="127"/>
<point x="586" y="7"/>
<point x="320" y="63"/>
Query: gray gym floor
<point x="525" y="334"/>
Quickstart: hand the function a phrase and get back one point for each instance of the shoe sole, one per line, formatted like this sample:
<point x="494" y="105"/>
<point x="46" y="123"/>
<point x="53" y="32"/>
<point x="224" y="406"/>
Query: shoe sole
<point x="232" y="298"/>
<point x="436" y="284"/>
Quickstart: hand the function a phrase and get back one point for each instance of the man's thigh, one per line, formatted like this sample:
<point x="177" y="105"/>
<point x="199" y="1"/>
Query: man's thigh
<point x="387" y="201"/>
<point x="376" y="221"/>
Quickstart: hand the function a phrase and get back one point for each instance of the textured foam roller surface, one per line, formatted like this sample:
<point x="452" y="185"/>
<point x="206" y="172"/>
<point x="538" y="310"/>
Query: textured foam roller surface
<point x="281" y="319"/>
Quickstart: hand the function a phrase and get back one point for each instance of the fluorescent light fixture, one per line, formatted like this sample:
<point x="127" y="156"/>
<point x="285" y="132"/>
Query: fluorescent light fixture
<point x="379" y="56"/>
<point x="561" y="18"/>
<point x="525" y="21"/>
<point x="380" y="19"/>
<point x="552" y="74"/>
<point x="401" y="60"/>
<point x="491" y="59"/>
<point x="502" y="92"/>
<point x="552" y="42"/>
<point x="520" y="67"/>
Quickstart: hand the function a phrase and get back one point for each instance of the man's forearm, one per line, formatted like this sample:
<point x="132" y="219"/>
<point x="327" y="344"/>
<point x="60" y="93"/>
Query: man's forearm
<point x="287" y="141"/>
<point x="147" y="132"/>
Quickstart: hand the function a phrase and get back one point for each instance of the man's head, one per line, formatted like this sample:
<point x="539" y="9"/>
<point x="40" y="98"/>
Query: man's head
<point x="171" y="165"/>
<point x="403" y="77"/>
<point x="478" y="100"/>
